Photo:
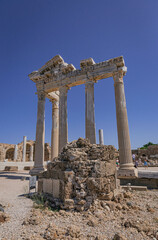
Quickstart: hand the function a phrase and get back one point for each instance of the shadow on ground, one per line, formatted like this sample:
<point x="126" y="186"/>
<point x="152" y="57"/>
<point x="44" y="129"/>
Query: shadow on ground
<point x="12" y="176"/>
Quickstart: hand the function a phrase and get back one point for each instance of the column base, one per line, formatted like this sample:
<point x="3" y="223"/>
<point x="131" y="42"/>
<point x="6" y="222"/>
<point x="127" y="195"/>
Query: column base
<point x="36" y="170"/>
<point x="127" y="173"/>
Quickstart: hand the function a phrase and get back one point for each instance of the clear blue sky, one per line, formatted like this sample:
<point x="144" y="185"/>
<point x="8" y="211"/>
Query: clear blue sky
<point x="33" y="31"/>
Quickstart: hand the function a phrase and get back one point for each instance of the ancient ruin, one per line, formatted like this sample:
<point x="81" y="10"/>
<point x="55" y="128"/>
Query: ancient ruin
<point x="53" y="80"/>
<point x="21" y="152"/>
<point x="82" y="173"/>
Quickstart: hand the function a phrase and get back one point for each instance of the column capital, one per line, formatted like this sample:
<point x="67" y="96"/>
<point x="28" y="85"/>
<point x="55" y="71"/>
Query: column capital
<point x="55" y="103"/>
<point x="63" y="90"/>
<point x="41" y="95"/>
<point x="118" y="76"/>
<point x="89" y="84"/>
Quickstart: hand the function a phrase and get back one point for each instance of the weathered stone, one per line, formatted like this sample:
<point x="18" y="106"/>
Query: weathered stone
<point x="11" y="168"/>
<point x="3" y="217"/>
<point x="81" y="174"/>
<point x="119" y="236"/>
<point x="56" y="75"/>
<point x="14" y="153"/>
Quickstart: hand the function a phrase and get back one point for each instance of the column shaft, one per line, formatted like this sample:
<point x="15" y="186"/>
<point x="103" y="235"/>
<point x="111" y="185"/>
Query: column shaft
<point x="40" y="136"/>
<point x="89" y="112"/>
<point x="24" y="149"/>
<point x="55" y="129"/>
<point x="15" y="152"/>
<point x="122" y="127"/>
<point x="101" y="138"/>
<point x="63" y="128"/>
<point x="31" y="153"/>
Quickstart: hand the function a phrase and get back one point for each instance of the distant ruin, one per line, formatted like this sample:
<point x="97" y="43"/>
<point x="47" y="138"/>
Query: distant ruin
<point x="21" y="152"/>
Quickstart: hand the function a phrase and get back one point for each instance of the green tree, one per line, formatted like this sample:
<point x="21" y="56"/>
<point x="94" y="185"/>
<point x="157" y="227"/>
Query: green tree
<point x="147" y="145"/>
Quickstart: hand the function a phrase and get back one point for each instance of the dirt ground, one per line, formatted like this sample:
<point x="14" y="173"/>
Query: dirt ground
<point x="132" y="216"/>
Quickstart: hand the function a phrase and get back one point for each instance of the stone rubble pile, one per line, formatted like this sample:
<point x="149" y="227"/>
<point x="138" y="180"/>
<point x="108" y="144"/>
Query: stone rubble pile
<point x="3" y="216"/>
<point x="127" y="217"/>
<point x="83" y="172"/>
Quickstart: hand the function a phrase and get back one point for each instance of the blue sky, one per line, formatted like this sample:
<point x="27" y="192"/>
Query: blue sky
<point x="33" y="31"/>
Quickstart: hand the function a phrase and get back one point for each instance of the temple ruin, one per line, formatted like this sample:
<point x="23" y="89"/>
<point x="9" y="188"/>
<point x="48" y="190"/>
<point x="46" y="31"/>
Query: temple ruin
<point x="53" y="80"/>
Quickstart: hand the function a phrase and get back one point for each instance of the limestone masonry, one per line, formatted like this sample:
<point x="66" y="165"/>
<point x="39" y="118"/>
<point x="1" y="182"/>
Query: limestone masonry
<point x="82" y="173"/>
<point x="53" y="80"/>
<point x="21" y="152"/>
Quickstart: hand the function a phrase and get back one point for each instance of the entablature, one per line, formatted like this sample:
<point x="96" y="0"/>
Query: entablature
<point x="56" y="73"/>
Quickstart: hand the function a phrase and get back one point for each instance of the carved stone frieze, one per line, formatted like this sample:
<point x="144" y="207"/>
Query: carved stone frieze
<point x="56" y="73"/>
<point x="86" y="63"/>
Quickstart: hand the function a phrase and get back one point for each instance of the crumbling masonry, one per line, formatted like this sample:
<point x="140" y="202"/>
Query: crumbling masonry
<point x="82" y="173"/>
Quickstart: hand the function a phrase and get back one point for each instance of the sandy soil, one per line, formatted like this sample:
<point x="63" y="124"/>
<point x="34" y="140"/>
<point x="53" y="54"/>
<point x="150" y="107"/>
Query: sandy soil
<point x="12" y="187"/>
<point x="133" y="216"/>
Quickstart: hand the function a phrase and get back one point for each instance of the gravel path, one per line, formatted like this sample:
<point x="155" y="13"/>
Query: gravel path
<point x="16" y="206"/>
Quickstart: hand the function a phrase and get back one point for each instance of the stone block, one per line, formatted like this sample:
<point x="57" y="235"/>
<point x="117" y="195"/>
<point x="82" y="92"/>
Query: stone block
<point x="47" y="186"/>
<point x="40" y="185"/>
<point x="127" y="173"/>
<point x="81" y="173"/>
<point x="11" y="168"/>
<point x="28" y="168"/>
<point x="55" y="188"/>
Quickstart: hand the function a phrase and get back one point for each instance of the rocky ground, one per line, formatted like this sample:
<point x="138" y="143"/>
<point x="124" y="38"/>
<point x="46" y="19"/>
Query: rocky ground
<point x="131" y="215"/>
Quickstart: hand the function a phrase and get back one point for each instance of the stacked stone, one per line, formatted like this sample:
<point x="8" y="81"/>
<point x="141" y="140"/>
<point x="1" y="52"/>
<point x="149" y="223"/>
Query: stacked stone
<point x="84" y="172"/>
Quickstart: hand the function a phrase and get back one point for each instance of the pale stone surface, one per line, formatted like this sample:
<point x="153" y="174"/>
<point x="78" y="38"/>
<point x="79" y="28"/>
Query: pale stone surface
<point x="56" y="188"/>
<point x="125" y="156"/>
<point x="54" y="78"/>
<point x="86" y="63"/>
<point x="7" y="152"/>
<point x="31" y="153"/>
<point x="56" y="75"/>
<point x="15" y="152"/>
<point x="63" y="126"/>
<point x="40" y="135"/>
<point x="106" y="218"/>
<point x="82" y="173"/>
<point x="24" y="149"/>
<point x="89" y="112"/>
<point x="101" y="137"/>
<point x="47" y="185"/>
<point x="55" y="129"/>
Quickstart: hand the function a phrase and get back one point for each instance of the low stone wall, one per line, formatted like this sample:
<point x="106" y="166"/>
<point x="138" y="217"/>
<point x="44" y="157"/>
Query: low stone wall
<point x="20" y="165"/>
<point x="150" y="183"/>
<point x="82" y="173"/>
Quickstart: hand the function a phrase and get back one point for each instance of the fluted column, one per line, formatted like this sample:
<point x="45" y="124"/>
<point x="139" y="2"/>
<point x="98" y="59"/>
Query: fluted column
<point x="101" y="138"/>
<point x="31" y="153"/>
<point x="89" y="112"/>
<point x="63" y="128"/>
<point x="15" y="152"/>
<point x="24" y="149"/>
<point x="126" y="164"/>
<point x="40" y="135"/>
<point x="55" y="129"/>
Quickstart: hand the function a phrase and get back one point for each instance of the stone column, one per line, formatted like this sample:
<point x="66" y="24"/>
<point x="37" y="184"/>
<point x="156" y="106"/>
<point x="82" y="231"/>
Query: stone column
<point x="63" y="128"/>
<point x="126" y="164"/>
<point x="15" y="152"/>
<point x="89" y="112"/>
<point x="101" y="138"/>
<point x="40" y="135"/>
<point x="31" y="153"/>
<point x="24" y="149"/>
<point x="55" y="129"/>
